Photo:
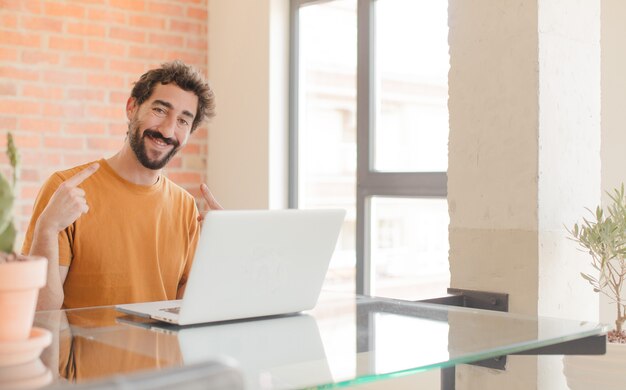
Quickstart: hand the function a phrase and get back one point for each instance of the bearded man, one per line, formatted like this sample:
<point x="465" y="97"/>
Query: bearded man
<point x="117" y="230"/>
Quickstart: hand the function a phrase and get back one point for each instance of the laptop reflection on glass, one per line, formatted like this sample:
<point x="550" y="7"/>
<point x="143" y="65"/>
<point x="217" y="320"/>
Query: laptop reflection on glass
<point x="252" y="263"/>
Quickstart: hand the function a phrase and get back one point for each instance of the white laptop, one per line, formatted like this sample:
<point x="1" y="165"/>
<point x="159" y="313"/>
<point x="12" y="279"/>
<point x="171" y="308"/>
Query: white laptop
<point x="252" y="263"/>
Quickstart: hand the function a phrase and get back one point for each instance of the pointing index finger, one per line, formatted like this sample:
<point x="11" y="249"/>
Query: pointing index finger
<point x="82" y="175"/>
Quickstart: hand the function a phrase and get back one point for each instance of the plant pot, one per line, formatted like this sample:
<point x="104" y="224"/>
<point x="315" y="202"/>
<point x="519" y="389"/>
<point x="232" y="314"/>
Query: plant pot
<point x="595" y="372"/>
<point x="20" y="282"/>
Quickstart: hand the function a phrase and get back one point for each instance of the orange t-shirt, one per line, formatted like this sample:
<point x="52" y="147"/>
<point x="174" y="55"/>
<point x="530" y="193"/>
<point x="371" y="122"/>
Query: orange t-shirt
<point x="135" y="244"/>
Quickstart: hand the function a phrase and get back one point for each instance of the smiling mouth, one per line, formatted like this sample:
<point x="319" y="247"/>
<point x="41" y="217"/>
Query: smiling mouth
<point x="158" y="138"/>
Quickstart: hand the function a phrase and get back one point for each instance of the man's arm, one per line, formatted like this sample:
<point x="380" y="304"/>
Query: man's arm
<point x="66" y="205"/>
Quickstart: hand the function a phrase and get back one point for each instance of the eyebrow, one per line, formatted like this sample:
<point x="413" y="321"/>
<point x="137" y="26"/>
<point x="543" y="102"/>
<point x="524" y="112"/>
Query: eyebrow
<point x="170" y="106"/>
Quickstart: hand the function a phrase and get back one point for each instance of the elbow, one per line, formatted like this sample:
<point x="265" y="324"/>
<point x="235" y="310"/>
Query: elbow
<point x="49" y="301"/>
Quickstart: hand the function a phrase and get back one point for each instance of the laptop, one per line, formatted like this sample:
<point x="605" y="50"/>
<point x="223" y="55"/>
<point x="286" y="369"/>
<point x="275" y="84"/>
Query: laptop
<point x="252" y="263"/>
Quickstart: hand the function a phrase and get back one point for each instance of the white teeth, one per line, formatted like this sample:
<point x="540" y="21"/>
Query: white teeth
<point x="160" y="142"/>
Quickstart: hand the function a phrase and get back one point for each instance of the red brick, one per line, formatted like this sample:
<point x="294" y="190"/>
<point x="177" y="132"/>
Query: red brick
<point x="35" y="158"/>
<point x="192" y="58"/>
<point x="8" y="54"/>
<point x="106" y="15"/>
<point x="83" y="29"/>
<point x="167" y="40"/>
<point x="105" y="112"/>
<point x="147" y="22"/>
<point x="18" y="107"/>
<point x="85" y="128"/>
<point x="185" y="177"/>
<point x="8" y="123"/>
<point x="37" y="57"/>
<point x="32" y="6"/>
<point x="197" y="13"/>
<point x="25" y="141"/>
<point x="65" y="110"/>
<point x="127" y="34"/>
<point x="87" y="62"/>
<point x="74" y="159"/>
<point x="9" y="5"/>
<point x="15" y="73"/>
<point x="65" y="9"/>
<point x="188" y="27"/>
<point x="118" y="128"/>
<point x="86" y="94"/>
<point x="29" y="191"/>
<point x="165" y="9"/>
<point x="146" y="52"/>
<point x="42" y="92"/>
<point x="198" y="44"/>
<point x="70" y="44"/>
<point x="125" y="66"/>
<point x="39" y="23"/>
<point x="64" y="143"/>
<point x="175" y="163"/>
<point x="106" y="144"/>
<point x="118" y="97"/>
<point x="29" y="175"/>
<point x="8" y="89"/>
<point x="8" y="20"/>
<point x="131" y="5"/>
<point x="47" y="126"/>
<point x="19" y="39"/>
<point x="62" y="77"/>
<point x="191" y="148"/>
<point x="108" y="81"/>
<point x="106" y="47"/>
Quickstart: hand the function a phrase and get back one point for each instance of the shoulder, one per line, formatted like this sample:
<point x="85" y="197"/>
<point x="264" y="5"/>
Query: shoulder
<point x="177" y="192"/>
<point x="66" y="174"/>
<point x="59" y="177"/>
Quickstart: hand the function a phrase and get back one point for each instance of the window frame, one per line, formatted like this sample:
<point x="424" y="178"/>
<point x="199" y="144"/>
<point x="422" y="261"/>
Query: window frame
<point x="369" y="182"/>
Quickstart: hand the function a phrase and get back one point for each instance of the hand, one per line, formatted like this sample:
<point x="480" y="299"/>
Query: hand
<point x="211" y="203"/>
<point x="67" y="203"/>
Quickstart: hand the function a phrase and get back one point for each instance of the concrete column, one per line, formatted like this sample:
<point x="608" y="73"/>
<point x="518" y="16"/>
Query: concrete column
<point x="524" y="161"/>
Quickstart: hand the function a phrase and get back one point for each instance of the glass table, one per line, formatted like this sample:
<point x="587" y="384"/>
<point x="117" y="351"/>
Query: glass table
<point x="345" y="340"/>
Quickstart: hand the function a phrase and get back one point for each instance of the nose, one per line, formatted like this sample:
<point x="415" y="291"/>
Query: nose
<point x="167" y="126"/>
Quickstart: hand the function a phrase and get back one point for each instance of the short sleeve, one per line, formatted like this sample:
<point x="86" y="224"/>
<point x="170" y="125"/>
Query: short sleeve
<point x="45" y="193"/>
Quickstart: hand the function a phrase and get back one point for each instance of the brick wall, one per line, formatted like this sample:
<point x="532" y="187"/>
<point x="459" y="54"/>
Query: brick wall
<point x="66" y="70"/>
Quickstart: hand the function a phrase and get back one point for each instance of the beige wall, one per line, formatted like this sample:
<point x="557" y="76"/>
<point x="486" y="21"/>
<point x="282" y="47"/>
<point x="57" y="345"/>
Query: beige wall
<point x="248" y="62"/>
<point x="613" y="108"/>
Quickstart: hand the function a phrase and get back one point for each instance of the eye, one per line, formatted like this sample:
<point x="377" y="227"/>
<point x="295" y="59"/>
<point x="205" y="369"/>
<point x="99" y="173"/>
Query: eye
<point x="182" y="122"/>
<point x="158" y="111"/>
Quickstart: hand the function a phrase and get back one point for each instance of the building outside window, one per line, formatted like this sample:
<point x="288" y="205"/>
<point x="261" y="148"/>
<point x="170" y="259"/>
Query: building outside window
<point x="381" y="152"/>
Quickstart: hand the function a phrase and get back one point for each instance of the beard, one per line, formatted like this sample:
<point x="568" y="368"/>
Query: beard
<point x="138" y="145"/>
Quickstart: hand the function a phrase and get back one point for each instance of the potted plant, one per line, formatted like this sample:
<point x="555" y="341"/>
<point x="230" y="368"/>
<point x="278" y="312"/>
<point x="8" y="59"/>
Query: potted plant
<point x="604" y="238"/>
<point x="21" y="277"/>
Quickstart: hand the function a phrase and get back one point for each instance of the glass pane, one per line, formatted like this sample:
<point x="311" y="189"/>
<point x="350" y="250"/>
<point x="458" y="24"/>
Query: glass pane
<point x="327" y="124"/>
<point x="411" y="64"/>
<point x="409" y="247"/>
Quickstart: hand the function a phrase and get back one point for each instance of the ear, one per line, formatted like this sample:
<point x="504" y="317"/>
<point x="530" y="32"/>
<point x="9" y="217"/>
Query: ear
<point x="131" y="107"/>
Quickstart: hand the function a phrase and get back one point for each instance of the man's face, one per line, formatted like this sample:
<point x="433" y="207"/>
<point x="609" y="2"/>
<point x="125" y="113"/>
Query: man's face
<point x="161" y="125"/>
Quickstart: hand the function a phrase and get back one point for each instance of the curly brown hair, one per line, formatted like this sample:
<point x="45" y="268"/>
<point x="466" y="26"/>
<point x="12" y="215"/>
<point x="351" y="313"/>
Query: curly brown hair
<point x="187" y="78"/>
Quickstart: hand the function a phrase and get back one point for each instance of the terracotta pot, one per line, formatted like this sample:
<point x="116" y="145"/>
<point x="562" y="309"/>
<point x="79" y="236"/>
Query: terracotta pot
<point x="595" y="372"/>
<point x="20" y="282"/>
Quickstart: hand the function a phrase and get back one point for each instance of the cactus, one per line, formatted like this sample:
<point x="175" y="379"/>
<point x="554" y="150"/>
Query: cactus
<point x="7" y="199"/>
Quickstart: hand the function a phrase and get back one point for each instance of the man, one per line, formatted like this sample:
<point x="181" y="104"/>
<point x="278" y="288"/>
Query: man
<point x="116" y="230"/>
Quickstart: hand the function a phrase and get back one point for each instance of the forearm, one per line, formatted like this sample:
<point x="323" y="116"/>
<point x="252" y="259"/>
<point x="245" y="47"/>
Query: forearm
<point x="45" y="243"/>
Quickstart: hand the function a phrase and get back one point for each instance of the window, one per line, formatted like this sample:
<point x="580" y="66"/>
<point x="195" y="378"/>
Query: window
<point x="369" y="134"/>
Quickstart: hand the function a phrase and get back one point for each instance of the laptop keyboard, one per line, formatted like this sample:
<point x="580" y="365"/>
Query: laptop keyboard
<point x="174" y="310"/>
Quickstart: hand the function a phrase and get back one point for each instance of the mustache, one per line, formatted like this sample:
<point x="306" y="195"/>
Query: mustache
<point x="157" y="135"/>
